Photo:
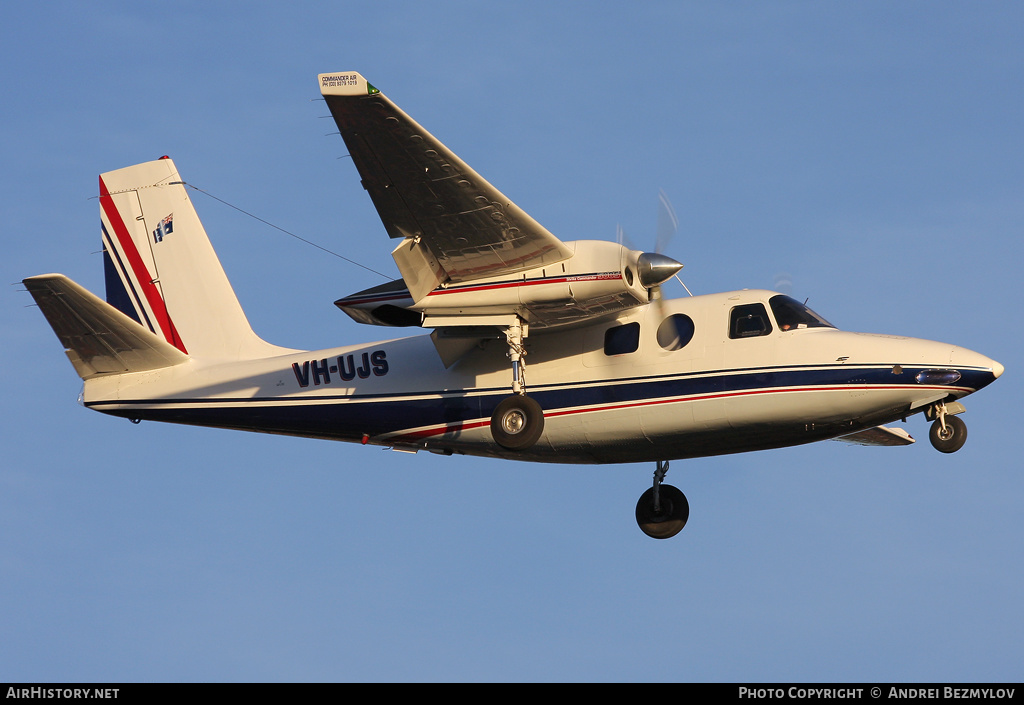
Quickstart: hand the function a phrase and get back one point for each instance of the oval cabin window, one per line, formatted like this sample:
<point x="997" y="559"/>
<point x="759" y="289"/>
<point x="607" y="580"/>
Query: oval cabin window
<point x="675" y="331"/>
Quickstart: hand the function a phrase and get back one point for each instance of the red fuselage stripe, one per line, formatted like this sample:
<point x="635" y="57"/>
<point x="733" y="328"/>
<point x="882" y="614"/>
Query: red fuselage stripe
<point x="437" y="431"/>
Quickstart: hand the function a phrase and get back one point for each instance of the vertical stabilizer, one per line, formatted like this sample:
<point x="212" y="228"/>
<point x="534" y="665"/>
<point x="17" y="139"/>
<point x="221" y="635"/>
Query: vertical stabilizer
<point x="161" y="269"/>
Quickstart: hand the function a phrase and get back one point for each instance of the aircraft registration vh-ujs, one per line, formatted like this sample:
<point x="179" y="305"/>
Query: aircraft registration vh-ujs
<point x="616" y="374"/>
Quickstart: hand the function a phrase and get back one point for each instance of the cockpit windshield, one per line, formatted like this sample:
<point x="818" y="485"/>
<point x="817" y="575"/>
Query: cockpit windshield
<point x="791" y="314"/>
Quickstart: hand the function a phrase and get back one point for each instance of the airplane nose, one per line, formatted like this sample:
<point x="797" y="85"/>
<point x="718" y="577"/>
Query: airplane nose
<point x="962" y="356"/>
<point x="997" y="369"/>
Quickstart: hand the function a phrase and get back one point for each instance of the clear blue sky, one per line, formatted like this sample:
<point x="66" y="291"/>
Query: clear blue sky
<point x="871" y="151"/>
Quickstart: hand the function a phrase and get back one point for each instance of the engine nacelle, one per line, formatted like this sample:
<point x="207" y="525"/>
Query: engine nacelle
<point x="600" y="278"/>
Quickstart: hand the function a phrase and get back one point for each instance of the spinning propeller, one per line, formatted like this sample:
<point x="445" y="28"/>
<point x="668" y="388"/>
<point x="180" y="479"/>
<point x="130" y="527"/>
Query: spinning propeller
<point x="655" y="268"/>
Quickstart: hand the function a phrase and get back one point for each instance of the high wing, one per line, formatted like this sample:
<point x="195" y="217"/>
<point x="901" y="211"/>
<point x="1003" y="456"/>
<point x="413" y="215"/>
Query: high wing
<point x="455" y="226"/>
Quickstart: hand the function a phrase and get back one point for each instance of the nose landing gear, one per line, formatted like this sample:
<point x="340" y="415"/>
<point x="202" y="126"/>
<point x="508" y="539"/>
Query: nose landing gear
<point x="662" y="510"/>
<point x="948" y="434"/>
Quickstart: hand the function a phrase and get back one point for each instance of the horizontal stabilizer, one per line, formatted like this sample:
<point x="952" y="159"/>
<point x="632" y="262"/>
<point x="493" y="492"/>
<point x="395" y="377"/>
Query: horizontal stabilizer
<point x="879" y="436"/>
<point x="97" y="338"/>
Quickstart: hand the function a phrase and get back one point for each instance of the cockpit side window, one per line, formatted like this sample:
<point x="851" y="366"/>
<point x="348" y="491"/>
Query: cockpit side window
<point x="790" y="314"/>
<point x="749" y="321"/>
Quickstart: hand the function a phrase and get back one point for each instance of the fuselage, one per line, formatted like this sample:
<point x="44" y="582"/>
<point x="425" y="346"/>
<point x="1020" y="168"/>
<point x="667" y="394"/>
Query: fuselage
<point x="671" y="379"/>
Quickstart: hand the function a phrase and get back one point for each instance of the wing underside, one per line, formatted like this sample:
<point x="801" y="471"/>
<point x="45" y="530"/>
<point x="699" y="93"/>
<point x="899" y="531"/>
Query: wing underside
<point x="878" y="436"/>
<point x="454" y="225"/>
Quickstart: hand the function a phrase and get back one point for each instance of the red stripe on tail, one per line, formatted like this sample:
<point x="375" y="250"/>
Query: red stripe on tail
<point x="142" y="275"/>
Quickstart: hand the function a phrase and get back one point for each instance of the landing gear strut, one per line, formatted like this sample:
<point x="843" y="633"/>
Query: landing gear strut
<point x="515" y="335"/>
<point x="948" y="434"/>
<point x="662" y="510"/>
<point x="518" y="420"/>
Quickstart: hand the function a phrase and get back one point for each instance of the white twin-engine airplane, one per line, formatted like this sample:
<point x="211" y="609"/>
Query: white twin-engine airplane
<point x="616" y="373"/>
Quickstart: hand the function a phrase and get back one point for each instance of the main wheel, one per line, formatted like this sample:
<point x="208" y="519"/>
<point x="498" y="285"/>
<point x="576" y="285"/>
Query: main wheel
<point x="517" y="422"/>
<point x="952" y="438"/>
<point x="671" y="517"/>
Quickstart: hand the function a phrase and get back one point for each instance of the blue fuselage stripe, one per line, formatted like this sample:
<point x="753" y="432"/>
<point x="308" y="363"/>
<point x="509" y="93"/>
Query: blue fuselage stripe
<point x="350" y="416"/>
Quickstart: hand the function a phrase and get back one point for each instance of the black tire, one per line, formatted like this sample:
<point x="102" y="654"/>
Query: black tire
<point x="517" y="422"/>
<point x="671" y="518"/>
<point x="952" y="439"/>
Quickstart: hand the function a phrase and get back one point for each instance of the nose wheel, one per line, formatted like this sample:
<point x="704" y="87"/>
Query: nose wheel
<point x="948" y="437"/>
<point x="948" y="433"/>
<point x="662" y="510"/>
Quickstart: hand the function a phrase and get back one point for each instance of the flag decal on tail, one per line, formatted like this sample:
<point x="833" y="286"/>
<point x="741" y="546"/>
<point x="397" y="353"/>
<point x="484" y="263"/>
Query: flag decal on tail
<point x="166" y="227"/>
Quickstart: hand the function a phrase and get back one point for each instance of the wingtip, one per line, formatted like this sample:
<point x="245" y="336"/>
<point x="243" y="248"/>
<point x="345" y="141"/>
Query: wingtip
<point x="42" y="278"/>
<point x="345" y="83"/>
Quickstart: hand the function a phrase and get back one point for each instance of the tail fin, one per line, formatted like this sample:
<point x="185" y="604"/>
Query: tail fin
<point x="97" y="338"/>
<point x="161" y="269"/>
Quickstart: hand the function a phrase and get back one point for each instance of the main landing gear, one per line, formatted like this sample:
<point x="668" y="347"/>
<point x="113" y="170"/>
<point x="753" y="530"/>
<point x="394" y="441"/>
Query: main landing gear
<point x="662" y="510"/>
<point x="518" y="420"/>
<point x="948" y="433"/>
